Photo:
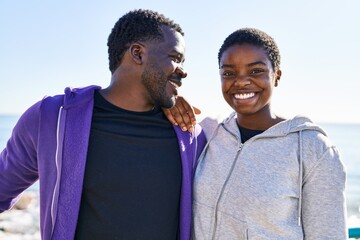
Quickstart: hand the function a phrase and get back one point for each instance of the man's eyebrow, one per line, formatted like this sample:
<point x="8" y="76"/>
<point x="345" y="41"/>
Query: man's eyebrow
<point x="178" y="54"/>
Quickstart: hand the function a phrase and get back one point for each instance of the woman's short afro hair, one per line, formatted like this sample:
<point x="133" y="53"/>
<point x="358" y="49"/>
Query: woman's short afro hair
<point x="255" y="37"/>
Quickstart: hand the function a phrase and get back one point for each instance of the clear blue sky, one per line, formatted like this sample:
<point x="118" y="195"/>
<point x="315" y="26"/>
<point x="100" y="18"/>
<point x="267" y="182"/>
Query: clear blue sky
<point x="48" y="45"/>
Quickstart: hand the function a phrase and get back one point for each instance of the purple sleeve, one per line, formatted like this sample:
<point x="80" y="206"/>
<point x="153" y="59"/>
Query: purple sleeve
<point x="18" y="161"/>
<point x="201" y="140"/>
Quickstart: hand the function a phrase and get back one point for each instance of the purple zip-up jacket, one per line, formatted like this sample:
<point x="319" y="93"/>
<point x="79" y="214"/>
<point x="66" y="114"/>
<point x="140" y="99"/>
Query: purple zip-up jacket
<point x="50" y="143"/>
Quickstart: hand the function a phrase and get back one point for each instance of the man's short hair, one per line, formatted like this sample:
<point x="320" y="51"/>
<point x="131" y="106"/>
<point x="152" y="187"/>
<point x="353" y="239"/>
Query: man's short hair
<point x="136" y="25"/>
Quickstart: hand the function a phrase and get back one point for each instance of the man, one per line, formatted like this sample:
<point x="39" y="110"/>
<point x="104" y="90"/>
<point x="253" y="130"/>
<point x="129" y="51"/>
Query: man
<point x="109" y="163"/>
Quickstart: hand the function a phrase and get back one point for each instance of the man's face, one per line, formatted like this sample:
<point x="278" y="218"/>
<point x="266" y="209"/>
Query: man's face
<point x="164" y="69"/>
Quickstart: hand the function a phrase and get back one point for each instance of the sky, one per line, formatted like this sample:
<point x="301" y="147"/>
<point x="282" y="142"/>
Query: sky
<point x="46" y="46"/>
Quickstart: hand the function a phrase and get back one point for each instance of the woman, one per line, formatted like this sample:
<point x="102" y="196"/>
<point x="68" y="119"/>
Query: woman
<point x="262" y="176"/>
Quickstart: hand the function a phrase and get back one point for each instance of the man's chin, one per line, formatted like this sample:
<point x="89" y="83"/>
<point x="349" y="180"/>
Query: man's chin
<point x="169" y="104"/>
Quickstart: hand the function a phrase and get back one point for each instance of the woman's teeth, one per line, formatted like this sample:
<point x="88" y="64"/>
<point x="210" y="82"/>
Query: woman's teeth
<point x="244" y="95"/>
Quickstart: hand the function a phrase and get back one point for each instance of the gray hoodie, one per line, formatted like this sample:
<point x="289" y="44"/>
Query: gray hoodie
<point x="286" y="183"/>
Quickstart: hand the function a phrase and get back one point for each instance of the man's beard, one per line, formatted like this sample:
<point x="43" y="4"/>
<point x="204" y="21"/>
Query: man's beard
<point x="155" y="82"/>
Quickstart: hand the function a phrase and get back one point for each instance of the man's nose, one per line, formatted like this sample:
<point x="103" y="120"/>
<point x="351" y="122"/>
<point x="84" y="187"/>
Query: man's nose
<point x="181" y="71"/>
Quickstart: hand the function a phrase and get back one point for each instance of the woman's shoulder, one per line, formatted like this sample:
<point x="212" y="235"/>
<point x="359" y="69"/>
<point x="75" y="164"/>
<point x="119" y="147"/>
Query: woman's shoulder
<point x="209" y="125"/>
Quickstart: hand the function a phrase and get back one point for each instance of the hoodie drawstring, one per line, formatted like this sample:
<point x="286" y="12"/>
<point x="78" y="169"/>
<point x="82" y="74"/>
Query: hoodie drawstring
<point x="300" y="176"/>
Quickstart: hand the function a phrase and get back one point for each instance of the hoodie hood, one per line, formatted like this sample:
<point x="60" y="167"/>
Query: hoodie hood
<point x="76" y="96"/>
<point x="296" y="124"/>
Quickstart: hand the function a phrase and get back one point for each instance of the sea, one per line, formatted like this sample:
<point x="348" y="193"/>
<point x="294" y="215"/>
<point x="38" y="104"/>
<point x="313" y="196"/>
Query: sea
<point x="346" y="137"/>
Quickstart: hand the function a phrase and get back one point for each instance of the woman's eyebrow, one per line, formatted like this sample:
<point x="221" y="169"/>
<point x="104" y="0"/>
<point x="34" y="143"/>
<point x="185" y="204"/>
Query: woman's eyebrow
<point x="256" y="63"/>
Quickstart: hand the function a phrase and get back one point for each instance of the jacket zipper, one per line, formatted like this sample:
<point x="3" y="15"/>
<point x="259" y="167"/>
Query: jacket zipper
<point x="239" y="148"/>
<point x="58" y="163"/>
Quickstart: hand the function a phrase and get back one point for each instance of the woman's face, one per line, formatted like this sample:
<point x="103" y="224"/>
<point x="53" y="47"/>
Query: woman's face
<point x="247" y="79"/>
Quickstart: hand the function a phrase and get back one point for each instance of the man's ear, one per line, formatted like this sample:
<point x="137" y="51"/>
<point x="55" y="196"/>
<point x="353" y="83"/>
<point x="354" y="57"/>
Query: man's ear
<point x="136" y="52"/>
<point x="277" y="77"/>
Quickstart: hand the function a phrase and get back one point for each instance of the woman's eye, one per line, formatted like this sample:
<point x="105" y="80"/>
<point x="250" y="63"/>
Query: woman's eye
<point x="227" y="74"/>
<point x="257" y="70"/>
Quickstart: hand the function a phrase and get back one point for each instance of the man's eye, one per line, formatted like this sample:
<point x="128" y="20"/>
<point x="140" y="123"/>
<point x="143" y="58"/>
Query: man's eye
<point x="176" y="59"/>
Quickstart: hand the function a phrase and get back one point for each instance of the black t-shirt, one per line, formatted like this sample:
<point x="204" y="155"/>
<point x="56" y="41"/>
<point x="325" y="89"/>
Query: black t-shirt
<point x="246" y="133"/>
<point x="132" y="178"/>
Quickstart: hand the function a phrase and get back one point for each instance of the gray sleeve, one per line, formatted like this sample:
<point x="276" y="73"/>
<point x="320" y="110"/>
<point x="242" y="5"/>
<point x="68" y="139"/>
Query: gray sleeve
<point x="208" y="125"/>
<point x="323" y="199"/>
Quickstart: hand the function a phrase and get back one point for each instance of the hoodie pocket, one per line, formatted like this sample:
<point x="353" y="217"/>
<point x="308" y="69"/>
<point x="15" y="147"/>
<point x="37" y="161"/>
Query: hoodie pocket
<point x="209" y="225"/>
<point x="230" y="228"/>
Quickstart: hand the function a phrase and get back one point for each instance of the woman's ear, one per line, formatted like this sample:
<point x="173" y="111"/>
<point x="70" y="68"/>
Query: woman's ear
<point x="136" y="52"/>
<point x="277" y="77"/>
